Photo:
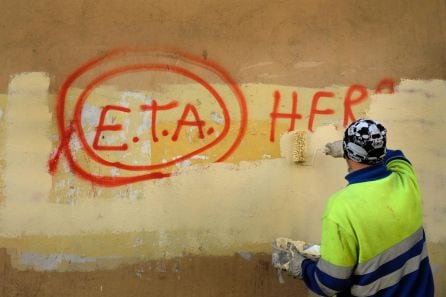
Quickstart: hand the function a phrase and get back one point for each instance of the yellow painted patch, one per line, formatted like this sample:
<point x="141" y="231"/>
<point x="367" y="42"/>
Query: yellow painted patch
<point x="204" y="208"/>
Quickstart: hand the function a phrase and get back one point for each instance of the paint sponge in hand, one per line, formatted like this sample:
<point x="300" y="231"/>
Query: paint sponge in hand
<point x="308" y="250"/>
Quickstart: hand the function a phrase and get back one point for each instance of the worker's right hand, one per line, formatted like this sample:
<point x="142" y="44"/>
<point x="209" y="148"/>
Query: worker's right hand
<point x="334" y="149"/>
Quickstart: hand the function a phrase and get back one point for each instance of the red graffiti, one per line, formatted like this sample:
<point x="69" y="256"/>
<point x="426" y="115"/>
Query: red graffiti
<point x="355" y="95"/>
<point x="101" y="128"/>
<point x="72" y="127"/>
<point x="386" y="85"/>
<point x="314" y="109"/>
<point x="349" y="101"/>
<point x="293" y="116"/>
<point x="154" y="108"/>
<point x="184" y="122"/>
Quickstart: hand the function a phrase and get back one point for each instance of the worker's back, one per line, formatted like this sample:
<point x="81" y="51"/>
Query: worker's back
<point x="373" y="229"/>
<point x="373" y="241"/>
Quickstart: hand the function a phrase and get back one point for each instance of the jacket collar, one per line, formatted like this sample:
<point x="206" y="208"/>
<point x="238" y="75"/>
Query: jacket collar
<point x="370" y="173"/>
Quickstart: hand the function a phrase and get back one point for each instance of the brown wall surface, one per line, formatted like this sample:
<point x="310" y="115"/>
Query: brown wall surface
<point x="357" y="41"/>
<point x="187" y="276"/>
<point x="199" y="247"/>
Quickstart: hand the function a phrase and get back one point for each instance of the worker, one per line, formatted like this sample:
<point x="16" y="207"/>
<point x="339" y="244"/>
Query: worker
<point x="373" y="242"/>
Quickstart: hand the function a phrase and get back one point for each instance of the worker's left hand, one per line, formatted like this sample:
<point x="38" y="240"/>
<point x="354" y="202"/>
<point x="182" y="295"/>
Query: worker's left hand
<point x="288" y="259"/>
<point x="280" y="257"/>
<point x="295" y="266"/>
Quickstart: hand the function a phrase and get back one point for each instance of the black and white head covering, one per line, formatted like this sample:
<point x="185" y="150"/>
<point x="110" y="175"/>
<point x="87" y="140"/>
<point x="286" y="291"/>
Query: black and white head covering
<point x="365" y="142"/>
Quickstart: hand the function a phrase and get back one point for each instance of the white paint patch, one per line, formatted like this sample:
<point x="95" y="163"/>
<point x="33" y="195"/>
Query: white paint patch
<point x="185" y="163"/>
<point x="90" y="137"/>
<point x="72" y="194"/>
<point x="217" y="118"/>
<point x="245" y="255"/>
<point x="146" y="149"/>
<point x="190" y="132"/>
<point x="90" y="115"/>
<point x="125" y="96"/>
<point x="133" y="195"/>
<point x="114" y="171"/>
<point x="75" y="144"/>
<point x="50" y="262"/>
<point x="146" y="123"/>
<point x="139" y="272"/>
<point x="126" y="125"/>
<point x="111" y="140"/>
<point x="125" y="130"/>
<point x="122" y="136"/>
<point x="1" y="113"/>
<point x="65" y="165"/>
<point x="60" y="185"/>
<point x="307" y="64"/>
<point x="200" y="157"/>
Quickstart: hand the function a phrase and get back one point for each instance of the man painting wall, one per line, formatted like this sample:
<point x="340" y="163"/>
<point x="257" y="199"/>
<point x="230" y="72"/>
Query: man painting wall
<point x="373" y="241"/>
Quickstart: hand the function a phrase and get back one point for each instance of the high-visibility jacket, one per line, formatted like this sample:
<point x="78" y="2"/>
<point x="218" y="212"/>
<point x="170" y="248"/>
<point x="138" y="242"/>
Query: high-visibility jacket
<point x="373" y="242"/>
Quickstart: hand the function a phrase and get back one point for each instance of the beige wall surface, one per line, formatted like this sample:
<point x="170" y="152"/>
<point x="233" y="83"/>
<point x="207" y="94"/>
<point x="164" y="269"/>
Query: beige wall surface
<point x="145" y="146"/>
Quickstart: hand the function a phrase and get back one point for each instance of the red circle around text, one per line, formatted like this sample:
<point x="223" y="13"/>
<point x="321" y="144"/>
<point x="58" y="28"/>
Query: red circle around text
<point x="75" y="126"/>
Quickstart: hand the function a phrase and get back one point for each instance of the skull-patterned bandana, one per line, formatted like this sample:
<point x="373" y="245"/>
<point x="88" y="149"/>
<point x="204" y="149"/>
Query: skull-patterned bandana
<point x="365" y="142"/>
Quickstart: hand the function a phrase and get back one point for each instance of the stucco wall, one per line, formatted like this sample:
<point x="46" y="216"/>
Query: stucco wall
<point x="98" y="197"/>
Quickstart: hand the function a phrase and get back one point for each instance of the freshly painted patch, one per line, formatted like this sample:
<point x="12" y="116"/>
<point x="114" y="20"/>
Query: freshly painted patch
<point x="27" y="124"/>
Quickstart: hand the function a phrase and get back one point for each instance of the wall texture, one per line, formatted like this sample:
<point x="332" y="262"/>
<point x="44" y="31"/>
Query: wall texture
<point x="144" y="146"/>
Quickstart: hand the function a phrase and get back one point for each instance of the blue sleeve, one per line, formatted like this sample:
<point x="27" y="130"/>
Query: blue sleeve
<point x="322" y="283"/>
<point x="394" y="155"/>
<point x="309" y="276"/>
